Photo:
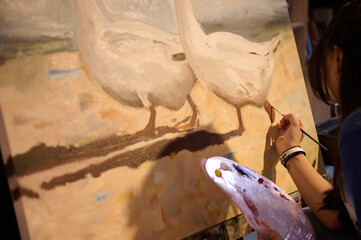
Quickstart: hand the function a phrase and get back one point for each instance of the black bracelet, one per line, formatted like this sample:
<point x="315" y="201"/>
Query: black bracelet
<point x="290" y="153"/>
<point x="291" y="156"/>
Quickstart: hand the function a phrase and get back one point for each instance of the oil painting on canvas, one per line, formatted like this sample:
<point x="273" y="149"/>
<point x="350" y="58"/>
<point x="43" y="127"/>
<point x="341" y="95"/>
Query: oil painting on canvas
<point x="108" y="107"/>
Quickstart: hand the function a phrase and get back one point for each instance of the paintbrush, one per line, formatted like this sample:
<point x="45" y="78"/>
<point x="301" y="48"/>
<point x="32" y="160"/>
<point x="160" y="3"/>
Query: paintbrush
<point x="303" y="131"/>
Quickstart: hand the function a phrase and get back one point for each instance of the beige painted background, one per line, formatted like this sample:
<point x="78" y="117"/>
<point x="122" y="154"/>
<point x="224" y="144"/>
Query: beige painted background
<point x="48" y="99"/>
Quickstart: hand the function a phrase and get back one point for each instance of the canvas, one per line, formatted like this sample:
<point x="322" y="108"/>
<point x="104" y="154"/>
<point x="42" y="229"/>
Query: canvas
<point x="108" y="107"/>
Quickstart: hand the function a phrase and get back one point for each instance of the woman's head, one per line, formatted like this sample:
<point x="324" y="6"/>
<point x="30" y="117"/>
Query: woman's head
<point x="335" y="68"/>
<point x="335" y="65"/>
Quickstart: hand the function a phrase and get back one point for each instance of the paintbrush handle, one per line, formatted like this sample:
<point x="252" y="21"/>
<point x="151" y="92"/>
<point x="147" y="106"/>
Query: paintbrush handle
<point x="308" y="135"/>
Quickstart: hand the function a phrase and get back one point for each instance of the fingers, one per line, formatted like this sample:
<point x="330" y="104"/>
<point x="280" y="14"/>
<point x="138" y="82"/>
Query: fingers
<point x="290" y="134"/>
<point x="284" y="124"/>
<point x="291" y="118"/>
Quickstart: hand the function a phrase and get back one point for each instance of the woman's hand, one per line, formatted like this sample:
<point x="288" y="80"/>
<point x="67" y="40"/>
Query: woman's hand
<point x="290" y="133"/>
<point x="269" y="234"/>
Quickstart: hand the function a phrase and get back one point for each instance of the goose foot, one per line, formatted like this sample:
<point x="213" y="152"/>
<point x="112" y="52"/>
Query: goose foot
<point x="186" y="127"/>
<point x="239" y="131"/>
<point x="270" y="110"/>
<point x="194" y="122"/>
<point x="146" y="132"/>
<point x="149" y="129"/>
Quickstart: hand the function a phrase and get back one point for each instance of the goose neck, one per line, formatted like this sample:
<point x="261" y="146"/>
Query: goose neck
<point x="188" y="24"/>
<point x="89" y="14"/>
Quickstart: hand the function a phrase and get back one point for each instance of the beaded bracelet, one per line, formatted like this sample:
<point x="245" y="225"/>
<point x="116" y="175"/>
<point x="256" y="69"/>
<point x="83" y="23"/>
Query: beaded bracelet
<point x="290" y="153"/>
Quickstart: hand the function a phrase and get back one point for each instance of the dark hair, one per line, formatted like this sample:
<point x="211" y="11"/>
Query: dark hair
<point x="344" y="31"/>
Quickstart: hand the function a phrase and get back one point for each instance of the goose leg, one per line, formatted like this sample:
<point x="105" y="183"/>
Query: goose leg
<point x="241" y="128"/>
<point x="270" y="110"/>
<point x="193" y="122"/>
<point x="150" y="127"/>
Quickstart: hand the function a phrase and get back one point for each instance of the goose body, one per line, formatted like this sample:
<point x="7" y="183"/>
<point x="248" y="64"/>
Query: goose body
<point x="235" y="69"/>
<point x="136" y="64"/>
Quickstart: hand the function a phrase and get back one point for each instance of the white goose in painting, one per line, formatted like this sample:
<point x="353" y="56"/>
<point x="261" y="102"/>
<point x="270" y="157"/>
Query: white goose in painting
<point x="138" y="65"/>
<point x="233" y="68"/>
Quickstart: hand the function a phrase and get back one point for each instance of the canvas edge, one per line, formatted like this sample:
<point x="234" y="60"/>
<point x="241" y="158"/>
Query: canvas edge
<point x="12" y="181"/>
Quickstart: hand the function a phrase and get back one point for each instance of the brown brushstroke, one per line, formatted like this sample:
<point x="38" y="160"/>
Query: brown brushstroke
<point x="160" y="42"/>
<point x="28" y="192"/>
<point x="194" y="110"/>
<point x="150" y="127"/>
<point x="193" y="123"/>
<point x="42" y="157"/>
<point x="178" y="57"/>
<point x="9" y="167"/>
<point x="183" y="121"/>
<point x="192" y="142"/>
<point x="131" y="159"/>
<point x="270" y="110"/>
<point x="21" y="191"/>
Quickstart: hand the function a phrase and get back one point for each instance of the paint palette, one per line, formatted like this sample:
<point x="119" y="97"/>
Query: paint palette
<point x="263" y="203"/>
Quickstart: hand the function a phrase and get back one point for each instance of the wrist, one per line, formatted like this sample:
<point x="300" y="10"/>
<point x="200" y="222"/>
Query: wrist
<point x="290" y="153"/>
<point x="284" y="147"/>
<point x="295" y="159"/>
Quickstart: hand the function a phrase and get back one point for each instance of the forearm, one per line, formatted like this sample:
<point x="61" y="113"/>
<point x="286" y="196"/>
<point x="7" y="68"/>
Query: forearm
<point x="312" y="187"/>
